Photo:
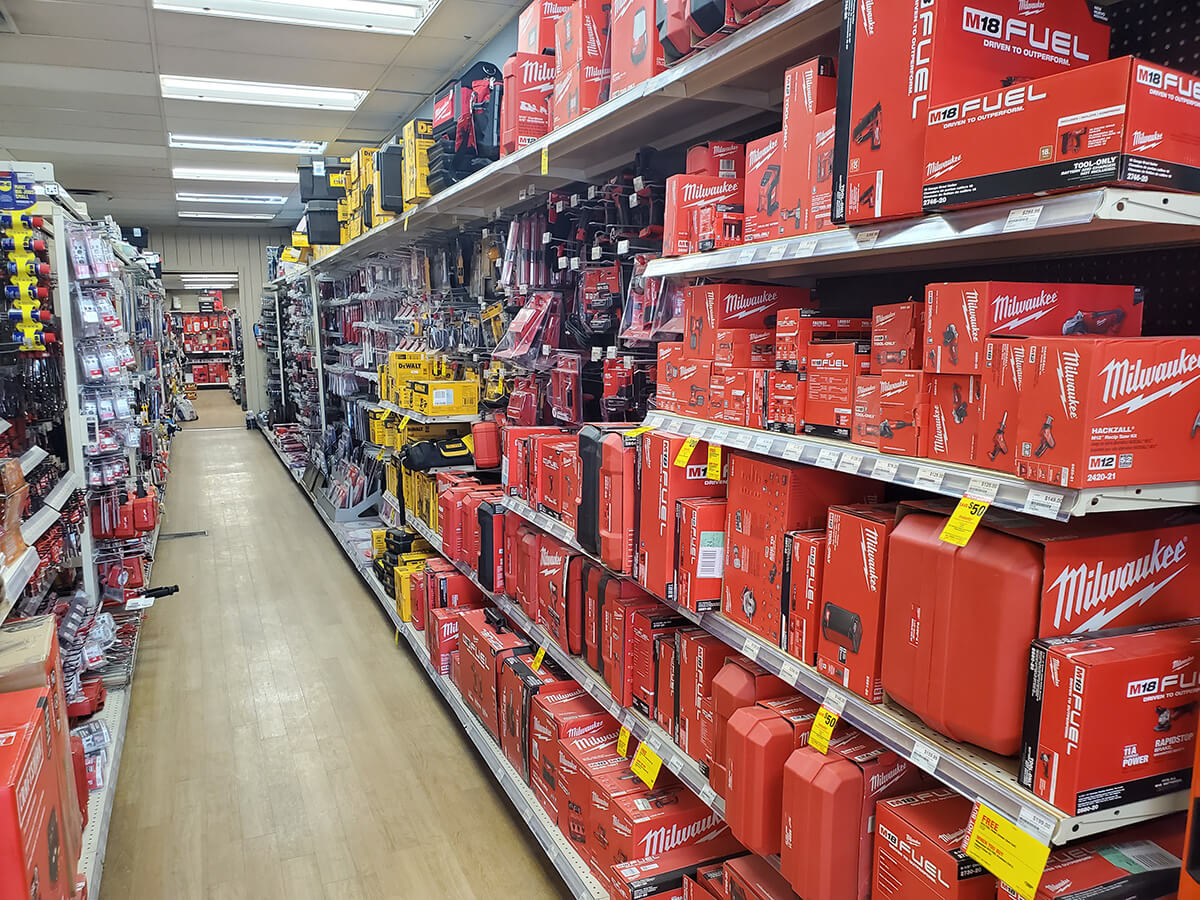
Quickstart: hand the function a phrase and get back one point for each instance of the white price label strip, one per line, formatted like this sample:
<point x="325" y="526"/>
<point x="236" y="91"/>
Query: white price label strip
<point x="1036" y="823"/>
<point x="1043" y="503"/>
<point x="790" y="672"/>
<point x="929" y="478"/>
<point x="746" y="256"/>
<point x="762" y="444"/>
<point x="1023" y="219"/>
<point x="707" y="795"/>
<point x="850" y="463"/>
<point x="793" y="450"/>
<point x="776" y="253"/>
<point x="750" y="648"/>
<point x="983" y="489"/>
<point x="827" y="458"/>
<point x="885" y="469"/>
<point x="803" y="249"/>
<point x="835" y="702"/>
<point x="925" y="757"/>
<point x="866" y="239"/>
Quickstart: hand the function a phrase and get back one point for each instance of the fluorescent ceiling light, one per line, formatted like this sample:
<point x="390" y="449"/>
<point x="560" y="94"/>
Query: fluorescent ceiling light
<point x="383" y="16"/>
<point x="256" y="199"/>
<point x="247" y="145"/>
<point x="258" y="93"/>
<point x="218" y="276"/>
<point x="247" y="176"/>
<point x="193" y="214"/>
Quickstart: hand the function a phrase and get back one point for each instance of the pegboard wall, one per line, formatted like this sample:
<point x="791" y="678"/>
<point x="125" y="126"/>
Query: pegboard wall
<point x="1163" y="31"/>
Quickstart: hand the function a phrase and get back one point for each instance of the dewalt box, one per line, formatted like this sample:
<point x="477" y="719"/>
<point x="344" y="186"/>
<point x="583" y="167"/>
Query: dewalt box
<point x="445" y="398"/>
<point x="418" y="138"/>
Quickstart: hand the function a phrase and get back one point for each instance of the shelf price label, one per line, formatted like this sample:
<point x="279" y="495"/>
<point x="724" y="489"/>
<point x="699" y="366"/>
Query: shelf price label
<point x="639" y="431"/>
<point x="646" y="764"/>
<point x="1008" y="852"/>
<point x="545" y="160"/>
<point x="623" y="742"/>
<point x="963" y="521"/>
<point x="685" y="452"/>
<point x="713" y="472"/>
<point x="822" y="729"/>
<point x="536" y="665"/>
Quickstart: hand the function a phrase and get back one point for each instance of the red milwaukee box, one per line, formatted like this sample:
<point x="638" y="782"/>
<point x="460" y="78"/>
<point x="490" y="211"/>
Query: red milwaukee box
<point x="641" y="825"/>
<point x="711" y="308"/>
<point x="528" y="91"/>
<point x="764" y="159"/>
<point x="795" y="329"/>
<point x="482" y="647"/>
<point x="739" y="683"/>
<point x="700" y="659"/>
<point x="809" y="90"/>
<point x="850" y="646"/>
<point x="666" y="697"/>
<point x="667" y="394"/>
<point x="904" y="413"/>
<point x="961" y="316"/>
<point x="663" y="482"/>
<point x="616" y="651"/>
<point x="581" y="34"/>
<point x="720" y="159"/>
<point x="803" y="573"/>
<point x="603" y="592"/>
<point x="918" y="850"/>
<point x="519" y="684"/>
<point x="554" y="587"/>
<point x="820" y="167"/>
<point x="700" y="549"/>
<point x="535" y="27"/>
<point x="753" y="878"/>
<point x="611" y="777"/>
<point x="515" y="468"/>
<point x="1121" y="122"/>
<point x="564" y="712"/>
<point x="897" y="333"/>
<point x="710" y="881"/>
<point x="758" y="742"/>
<point x="578" y="89"/>
<point x="1018" y="579"/>
<point x="738" y="396"/>
<point x="899" y="62"/>
<point x="867" y="423"/>
<point x="686" y="194"/>
<point x="1003" y="375"/>
<point x="832" y="369"/>
<point x="1110" y="716"/>
<point x="1097" y="412"/>
<point x="637" y="53"/>
<point x="32" y="806"/>
<point x="747" y="348"/>
<point x="644" y="628"/>
<point x="786" y="396"/>
<point x="954" y="415"/>
<point x="691" y="387"/>
<point x="551" y="456"/>
<point x="1140" y="862"/>
<point x="577" y="759"/>
<point x="662" y="877"/>
<point x="441" y="637"/>
<point x="829" y="813"/>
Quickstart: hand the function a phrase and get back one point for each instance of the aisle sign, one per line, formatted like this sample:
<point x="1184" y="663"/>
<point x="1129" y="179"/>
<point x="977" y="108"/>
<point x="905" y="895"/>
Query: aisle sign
<point x="685" y="452"/>
<point x="536" y="665"/>
<point x="623" y="742"/>
<point x="1008" y="852"/>
<point x="646" y="764"/>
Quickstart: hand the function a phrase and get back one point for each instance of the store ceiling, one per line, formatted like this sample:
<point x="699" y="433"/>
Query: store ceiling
<point x="82" y="91"/>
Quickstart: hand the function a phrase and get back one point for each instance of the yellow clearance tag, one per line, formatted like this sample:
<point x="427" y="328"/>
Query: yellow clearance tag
<point x="337" y="179"/>
<point x="1015" y="857"/>
<point x="537" y="659"/>
<point x="639" y="431"/>
<point x="623" y="743"/>
<point x="404" y="423"/>
<point x="382" y="450"/>
<point x="685" y="452"/>
<point x="545" y="160"/>
<point x="406" y="223"/>
<point x="963" y="521"/>
<point x="822" y="730"/>
<point x="714" y="463"/>
<point x="646" y="764"/>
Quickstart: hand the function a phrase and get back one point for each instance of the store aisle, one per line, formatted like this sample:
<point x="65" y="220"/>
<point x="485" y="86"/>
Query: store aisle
<point x="279" y="743"/>
<point x="216" y="408"/>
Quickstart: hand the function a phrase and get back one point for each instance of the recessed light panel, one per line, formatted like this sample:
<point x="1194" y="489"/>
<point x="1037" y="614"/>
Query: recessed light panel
<point x="245" y="176"/>
<point x="259" y="93"/>
<point x="195" y="214"/>
<point x="257" y="199"/>
<point x="382" y="16"/>
<point x="246" y="145"/>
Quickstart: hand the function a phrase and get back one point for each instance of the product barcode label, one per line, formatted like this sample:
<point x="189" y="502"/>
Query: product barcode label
<point x="827" y="458"/>
<point x="928" y="478"/>
<point x="1144" y="856"/>
<point x="710" y="559"/>
<point x="925" y="757"/>
<point x="850" y="463"/>
<point x="1043" y="503"/>
<point x="790" y="672"/>
<point x="793" y="450"/>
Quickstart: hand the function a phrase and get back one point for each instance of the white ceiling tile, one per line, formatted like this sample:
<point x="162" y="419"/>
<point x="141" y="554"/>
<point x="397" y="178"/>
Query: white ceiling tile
<point x="128" y="56"/>
<point x="80" y="100"/>
<point x="314" y="44"/>
<point x="245" y="120"/>
<point x="81" y="19"/>
<point x="21" y="144"/>
<point x="269" y="68"/>
<point x="21" y="76"/>
<point x="411" y="80"/>
<point x="464" y="20"/>
<point x="83" y="120"/>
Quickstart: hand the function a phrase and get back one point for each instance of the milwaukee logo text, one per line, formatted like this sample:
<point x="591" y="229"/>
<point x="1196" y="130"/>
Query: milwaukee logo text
<point x="1086" y="590"/>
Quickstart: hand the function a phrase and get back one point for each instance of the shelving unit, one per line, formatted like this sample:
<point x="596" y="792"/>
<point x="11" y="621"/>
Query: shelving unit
<point x="422" y="418"/>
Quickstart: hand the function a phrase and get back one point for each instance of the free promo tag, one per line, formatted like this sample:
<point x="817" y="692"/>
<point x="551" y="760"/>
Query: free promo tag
<point x="1008" y="852"/>
<point x="685" y="452"/>
<point x="623" y="742"/>
<point x="714" y="463"/>
<point x="822" y="730"/>
<point x="646" y="764"/>
<point x="963" y="521"/>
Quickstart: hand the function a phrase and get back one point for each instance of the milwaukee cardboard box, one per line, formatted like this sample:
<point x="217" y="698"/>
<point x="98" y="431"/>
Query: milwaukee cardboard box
<point x="661" y="877"/>
<point x="852" y="597"/>
<point x="441" y="638"/>
<point x="617" y="667"/>
<point x="961" y="316"/>
<point x="1099" y="412"/>
<point x="786" y="398"/>
<point x="32" y="807"/>
<point x="897" y="333"/>
<point x="528" y="93"/>
<point x="712" y="308"/>
<point x="820" y="167"/>
<point x="746" y="348"/>
<point x="1003" y="376"/>
<point x="1126" y="122"/>
<point x="687" y="194"/>
<point x="867" y="415"/>
<point x="1019" y="578"/>
<point x="581" y="34"/>
<point x="904" y="413"/>
<point x="641" y="825"/>
<point x="796" y="329"/>
<point x="1140" y="862"/>
<point x="829" y="803"/>
<point x="720" y="159"/>
<point x="661" y="483"/>
<point x="954" y="415"/>
<point x="578" y="89"/>
<point x="577" y="758"/>
<point x="803" y="574"/>
<point x="700" y="548"/>
<point x="666" y="696"/>
<point x="809" y="90"/>
<point x="647" y="626"/>
<point x="1110" y="716"/>
<point x="515" y="466"/>
<point x="519" y="684"/>
<point x="607" y="607"/>
<point x="753" y="878"/>
<point x="898" y="63"/>
<point x="701" y="657"/>
<point x="637" y="53"/>
<point x="764" y="159"/>
<point x="535" y="27"/>
<point x="833" y="367"/>
<point x="668" y="395"/>
<point x="611" y="777"/>
<point x="738" y="396"/>
<point x="759" y="740"/>
<point x="918" y="850"/>
<point x="565" y="712"/>
<point x="482" y="648"/>
<point x="551" y="457"/>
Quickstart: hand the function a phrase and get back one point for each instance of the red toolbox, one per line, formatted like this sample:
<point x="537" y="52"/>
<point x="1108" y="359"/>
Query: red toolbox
<point x="701" y="657"/>
<point x="484" y="640"/>
<point x="739" y="683"/>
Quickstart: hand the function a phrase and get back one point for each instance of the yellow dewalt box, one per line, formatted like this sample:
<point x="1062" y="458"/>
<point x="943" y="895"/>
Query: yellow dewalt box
<point x="445" y="398"/>
<point x="391" y="478"/>
<point x="378" y="542"/>
<point x="377" y="427"/>
<point x="418" y="138"/>
<point x="404" y="574"/>
<point x="361" y="167"/>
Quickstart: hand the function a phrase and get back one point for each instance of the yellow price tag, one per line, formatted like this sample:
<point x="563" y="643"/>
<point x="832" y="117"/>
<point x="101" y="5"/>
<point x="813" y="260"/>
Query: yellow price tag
<point x="379" y="455"/>
<point x="1007" y="851"/>
<point x="685" y="452"/>
<point x="545" y="160"/>
<point x="963" y="521"/>
<point x="406" y="223"/>
<point x="646" y="764"/>
<point x="639" y="431"/>
<point x="299" y="239"/>
<point x="623" y="742"/>
<point x="337" y="179"/>
<point x="714" y="463"/>
<point x="822" y="730"/>
<point x="536" y="665"/>
<point x="404" y="423"/>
